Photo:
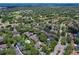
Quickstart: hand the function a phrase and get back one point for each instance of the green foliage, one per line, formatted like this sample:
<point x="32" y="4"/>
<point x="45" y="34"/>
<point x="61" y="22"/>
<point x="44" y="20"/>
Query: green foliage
<point x="47" y="50"/>
<point x="7" y="51"/>
<point x="10" y="51"/>
<point x="63" y="41"/>
<point x="9" y="41"/>
<point x="48" y="28"/>
<point x="7" y="18"/>
<point x="53" y="43"/>
<point x="21" y="39"/>
<point x="34" y="51"/>
<point x="42" y="37"/>
<point x="77" y="40"/>
<point x="50" y="47"/>
<point x="30" y="50"/>
<point x="68" y="49"/>
<point x="68" y="40"/>
<point x="2" y="52"/>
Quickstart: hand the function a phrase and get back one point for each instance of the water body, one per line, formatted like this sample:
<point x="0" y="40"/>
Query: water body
<point x="11" y="5"/>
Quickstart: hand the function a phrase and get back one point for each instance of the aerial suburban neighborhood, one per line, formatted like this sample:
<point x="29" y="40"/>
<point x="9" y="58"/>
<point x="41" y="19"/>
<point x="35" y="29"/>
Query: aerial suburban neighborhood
<point x="39" y="31"/>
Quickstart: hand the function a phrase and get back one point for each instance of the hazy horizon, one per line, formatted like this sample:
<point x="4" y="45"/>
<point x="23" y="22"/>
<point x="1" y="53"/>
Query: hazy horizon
<point x="39" y="4"/>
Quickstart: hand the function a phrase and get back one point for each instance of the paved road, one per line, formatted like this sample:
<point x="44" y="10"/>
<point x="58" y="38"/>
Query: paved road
<point x="59" y="49"/>
<point x="18" y="52"/>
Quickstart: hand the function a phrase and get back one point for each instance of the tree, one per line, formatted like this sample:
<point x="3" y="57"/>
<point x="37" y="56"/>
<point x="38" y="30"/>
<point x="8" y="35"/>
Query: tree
<point x="68" y="49"/>
<point x="34" y="51"/>
<point x="7" y="51"/>
<point x="68" y="39"/>
<point x="73" y="27"/>
<point x="47" y="28"/>
<point x="63" y="41"/>
<point x="9" y="40"/>
<point x="77" y="40"/>
<point x="2" y="52"/>
<point x="30" y="50"/>
<point x="46" y="50"/>
<point x="42" y="37"/>
<point x="10" y="51"/>
<point x="53" y="43"/>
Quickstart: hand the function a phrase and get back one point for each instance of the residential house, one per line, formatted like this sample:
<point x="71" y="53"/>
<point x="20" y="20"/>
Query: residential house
<point x="32" y="36"/>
